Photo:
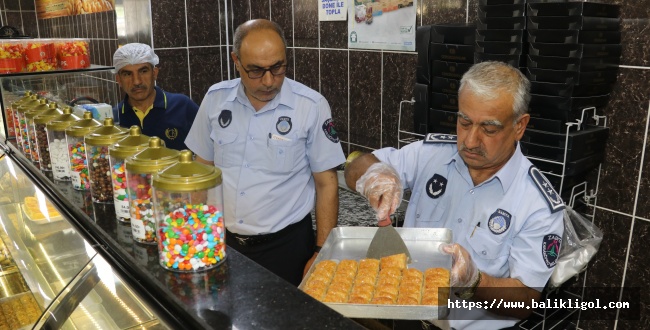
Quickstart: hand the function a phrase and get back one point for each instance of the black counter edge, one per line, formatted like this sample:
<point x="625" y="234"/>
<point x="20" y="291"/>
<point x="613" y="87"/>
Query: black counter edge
<point x="168" y="310"/>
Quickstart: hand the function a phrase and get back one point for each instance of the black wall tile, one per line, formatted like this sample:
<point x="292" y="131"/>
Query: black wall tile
<point x="26" y="5"/>
<point x="306" y="23"/>
<point x="29" y="24"/>
<point x="638" y="274"/>
<point x="365" y="98"/>
<point x="307" y="68"/>
<point x="281" y="14"/>
<point x="606" y="268"/>
<point x="14" y="18"/>
<point x="399" y="79"/>
<point x="260" y="9"/>
<point x="173" y="75"/>
<point x="168" y="22"/>
<point x="205" y="69"/>
<point x="333" y="34"/>
<point x="436" y="12"/>
<point x="203" y="23"/>
<point x="626" y="114"/>
<point x="334" y="86"/>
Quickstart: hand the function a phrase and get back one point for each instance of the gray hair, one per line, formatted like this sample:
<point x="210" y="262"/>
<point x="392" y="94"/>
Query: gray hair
<point x="257" y="24"/>
<point x="486" y="78"/>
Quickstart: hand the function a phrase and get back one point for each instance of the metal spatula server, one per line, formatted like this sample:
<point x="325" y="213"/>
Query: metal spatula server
<point x="387" y="242"/>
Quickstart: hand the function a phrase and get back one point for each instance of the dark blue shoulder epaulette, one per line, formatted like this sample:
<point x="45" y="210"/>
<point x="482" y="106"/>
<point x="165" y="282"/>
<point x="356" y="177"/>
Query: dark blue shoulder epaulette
<point x="546" y="188"/>
<point x="440" y="138"/>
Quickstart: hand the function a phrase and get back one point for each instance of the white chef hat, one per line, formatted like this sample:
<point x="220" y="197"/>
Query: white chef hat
<point x="133" y="53"/>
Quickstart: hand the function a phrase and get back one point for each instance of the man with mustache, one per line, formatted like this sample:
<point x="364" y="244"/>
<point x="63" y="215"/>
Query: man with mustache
<point x="504" y="214"/>
<point x="166" y="115"/>
<point x="275" y="142"/>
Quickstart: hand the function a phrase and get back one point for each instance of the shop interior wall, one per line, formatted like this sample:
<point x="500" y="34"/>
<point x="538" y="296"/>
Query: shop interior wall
<point x="365" y="88"/>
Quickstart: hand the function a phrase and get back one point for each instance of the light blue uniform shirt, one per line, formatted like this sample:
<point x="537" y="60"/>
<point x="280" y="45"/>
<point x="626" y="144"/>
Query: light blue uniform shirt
<point x="267" y="157"/>
<point x="509" y="224"/>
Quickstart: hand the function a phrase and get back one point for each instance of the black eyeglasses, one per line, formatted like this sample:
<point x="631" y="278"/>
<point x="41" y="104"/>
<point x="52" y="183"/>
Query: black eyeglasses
<point x="276" y="70"/>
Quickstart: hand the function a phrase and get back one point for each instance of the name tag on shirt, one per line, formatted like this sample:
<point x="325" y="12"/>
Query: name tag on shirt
<point x="278" y="137"/>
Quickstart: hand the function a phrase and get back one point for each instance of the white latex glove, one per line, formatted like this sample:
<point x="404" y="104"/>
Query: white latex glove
<point x="383" y="189"/>
<point x="464" y="272"/>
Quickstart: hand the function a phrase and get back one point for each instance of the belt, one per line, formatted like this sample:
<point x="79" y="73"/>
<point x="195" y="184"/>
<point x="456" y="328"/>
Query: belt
<point x="251" y="240"/>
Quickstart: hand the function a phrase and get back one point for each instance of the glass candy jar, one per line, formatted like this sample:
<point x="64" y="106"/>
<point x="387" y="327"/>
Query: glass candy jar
<point x="22" y="130"/>
<point x="31" y="134"/>
<point x="140" y="169"/>
<point x="126" y="147"/>
<point x="99" y="166"/>
<point x="74" y="136"/>
<point x="12" y="115"/>
<point x="188" y="206"/>
<point x="57" y="145"/>
<point x="42" y="148"/>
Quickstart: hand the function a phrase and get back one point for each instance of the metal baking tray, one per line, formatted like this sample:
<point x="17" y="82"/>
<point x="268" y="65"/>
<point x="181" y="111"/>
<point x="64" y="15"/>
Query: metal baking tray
<point x="352" y="243"/>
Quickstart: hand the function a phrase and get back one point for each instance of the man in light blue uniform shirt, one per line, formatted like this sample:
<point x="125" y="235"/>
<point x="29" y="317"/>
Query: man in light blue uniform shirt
<point x="275" y="142"/>
<point x="505" y="215"/>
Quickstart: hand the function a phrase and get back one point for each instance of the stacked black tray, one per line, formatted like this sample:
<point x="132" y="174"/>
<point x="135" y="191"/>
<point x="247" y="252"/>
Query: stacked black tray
<point x="452" y="49"/>
<point x="501" y="32"/>
<point x="573" y="56"/>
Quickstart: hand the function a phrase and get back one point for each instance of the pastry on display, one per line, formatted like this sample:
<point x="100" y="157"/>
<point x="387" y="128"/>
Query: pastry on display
<point x="381" y="282"/>
<point x="35" y="213"/>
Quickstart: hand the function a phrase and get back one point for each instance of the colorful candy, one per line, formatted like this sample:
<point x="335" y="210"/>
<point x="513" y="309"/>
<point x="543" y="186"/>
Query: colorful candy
<point x="73" y="54"/>
<point x="78" y="166"/>
<point x="120" y="195"/>
<point x="40" y="56"/>
<point x="192" y="238"/>
<point x="11" y="57"/>
<point x="142" y="217"/>
<point x="100" y="174"/>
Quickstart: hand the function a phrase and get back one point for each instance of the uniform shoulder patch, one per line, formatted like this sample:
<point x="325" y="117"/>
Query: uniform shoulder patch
<point x="553" y="199"/>
<point x="440" y="138"/>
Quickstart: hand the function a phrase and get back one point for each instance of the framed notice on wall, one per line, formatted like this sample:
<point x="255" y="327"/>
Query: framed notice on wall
<point x="57" y="8"/>
<point x="382" y="24"/>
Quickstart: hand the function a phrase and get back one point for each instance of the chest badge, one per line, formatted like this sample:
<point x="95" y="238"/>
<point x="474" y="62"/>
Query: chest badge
<point x="499" y="222"/>
<point x="225" y="118"/>
<point x="283" y="126"/>
<point x="171" y="133"/>
<point x="436" y="186"/>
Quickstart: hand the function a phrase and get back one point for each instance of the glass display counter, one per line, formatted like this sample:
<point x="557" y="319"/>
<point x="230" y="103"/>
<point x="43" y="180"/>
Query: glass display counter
<point x="72" y="264"/>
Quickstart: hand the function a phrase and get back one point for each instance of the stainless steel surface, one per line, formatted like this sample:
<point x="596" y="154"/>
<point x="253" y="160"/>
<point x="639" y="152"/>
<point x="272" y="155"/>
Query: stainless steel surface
<point x="387" y="242"/>
<point x="133" y="21"/>
<point x="353" y="243"/>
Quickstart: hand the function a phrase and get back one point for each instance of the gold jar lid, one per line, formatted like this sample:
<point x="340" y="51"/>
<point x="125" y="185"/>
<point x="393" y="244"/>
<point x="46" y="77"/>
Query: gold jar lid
<point x="45" y="116"/>
<point x="21" y="100"/>
<point x="29" y="105"/>
<point x="106" y="134"/>
<point x="64" y="120"/>
<point x="187" y="175"/>
<point x="83" y="126"/>
<point x="37" y="110"/>
<point x="152" y="159"/>
<point x="133" y="143"/>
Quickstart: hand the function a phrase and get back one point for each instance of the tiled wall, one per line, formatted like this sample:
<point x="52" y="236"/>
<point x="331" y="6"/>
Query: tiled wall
<point x="19" y="14"/>
<point x="365" y="88"/>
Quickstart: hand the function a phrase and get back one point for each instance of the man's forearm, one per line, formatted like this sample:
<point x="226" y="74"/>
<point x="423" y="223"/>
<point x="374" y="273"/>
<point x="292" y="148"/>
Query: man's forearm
<point x="357" y="168"/>
<point x="327" y="204"/>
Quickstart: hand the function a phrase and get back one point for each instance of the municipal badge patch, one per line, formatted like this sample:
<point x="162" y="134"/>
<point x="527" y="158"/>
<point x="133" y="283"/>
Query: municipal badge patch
<point x="225" y="118"/>
<point x="283" y="126"/>
<point x="436" y="186"/>
<point x="440" y="138"/>
<point x="330" y="131"/>
<point x="551" y="249"/>
<point x="499" y="221"/>
<point x="171" y="133"/>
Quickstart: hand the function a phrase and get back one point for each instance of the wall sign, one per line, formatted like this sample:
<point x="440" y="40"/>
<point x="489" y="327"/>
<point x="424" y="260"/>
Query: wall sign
<point x="332" y="10"/>
<point x="385" y="24"/>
